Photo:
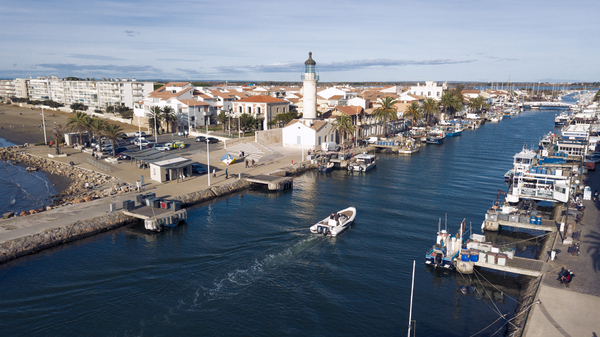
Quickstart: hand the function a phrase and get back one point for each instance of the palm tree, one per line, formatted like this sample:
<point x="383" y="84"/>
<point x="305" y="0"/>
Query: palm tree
<point x="96" y="126"/>
<point x="387" y="111"/>
<point x="222" y="117"/>
<point x="430" y="108"/>
<point x="155" y="119"/>
<point x="58" y="136"/>
<point x="111" y="131"/>
<point x="343" y="125"/>
<point x="77" y="123"/>
<point x="413" y="112"/>
<point x="450" y="103"/>
<point x="169" y="116"/>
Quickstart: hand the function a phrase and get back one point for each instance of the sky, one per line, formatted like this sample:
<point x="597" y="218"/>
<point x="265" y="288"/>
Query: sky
<point x="351" y="41"/>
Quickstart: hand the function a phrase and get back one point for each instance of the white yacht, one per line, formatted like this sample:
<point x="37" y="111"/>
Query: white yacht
<point x="362" y="163"/>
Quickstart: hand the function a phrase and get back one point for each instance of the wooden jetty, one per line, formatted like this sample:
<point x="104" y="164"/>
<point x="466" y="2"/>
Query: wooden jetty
<point x="274" y="183"/>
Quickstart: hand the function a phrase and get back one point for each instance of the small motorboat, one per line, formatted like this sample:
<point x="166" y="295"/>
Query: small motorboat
<point x="326" y="167"/>
<point x="335" y="223"/>
<point x="362" y="163"/>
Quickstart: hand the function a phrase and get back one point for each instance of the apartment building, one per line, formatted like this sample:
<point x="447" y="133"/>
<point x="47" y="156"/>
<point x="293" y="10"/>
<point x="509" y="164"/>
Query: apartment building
<point x="94" y="94"/>
<point x="430" y="89"/>
<point x="7" y="88"/>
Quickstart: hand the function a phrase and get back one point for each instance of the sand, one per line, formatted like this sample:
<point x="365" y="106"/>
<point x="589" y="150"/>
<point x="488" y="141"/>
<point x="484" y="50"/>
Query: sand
<point x="27" y="128"/>
<point x="27" y="124"/>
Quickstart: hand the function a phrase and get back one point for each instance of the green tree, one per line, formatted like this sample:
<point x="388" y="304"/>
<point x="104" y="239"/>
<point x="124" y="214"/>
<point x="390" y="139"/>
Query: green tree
<point x="450" y="103"/>
<point x="343" y="125"/>
<point x="387" y="111"/>
<point x="58" y="136"/>
<point x="78" y="123"/>
<point x="413" y="112"/>
<point x="169" y="117"/>
<point x="431" y="110"/>
<point x="247" y="122"/>
<point x="156" y="118"/>
<point x="112" y="131"/>
<point x="110" y="109"/>
<point x="78" y="107"/>
<point x="477" y="104"/>
<point x="285" y="117"/>
<point x="223" y="118"/>
<point x="97" y="126"/>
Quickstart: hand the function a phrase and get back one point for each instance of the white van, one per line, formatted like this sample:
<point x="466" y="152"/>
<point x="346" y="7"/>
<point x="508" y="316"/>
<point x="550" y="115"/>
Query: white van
<point x="372" y="140"/>
<point x="328" y="146"/>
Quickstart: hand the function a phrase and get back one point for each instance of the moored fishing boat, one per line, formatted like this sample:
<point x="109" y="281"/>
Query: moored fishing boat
<point x="328" y="167"/>
<point x="453" y="131"/>
<point x="335" y="223"/>
<point x="435" y="137"/>
<point x="362" y="163"/>
<point x="561" y="119"/>
<point x="410" y="146"/>
<point x="446" y="249"/>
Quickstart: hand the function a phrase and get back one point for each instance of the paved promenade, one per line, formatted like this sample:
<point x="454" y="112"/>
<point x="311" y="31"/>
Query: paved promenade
<point x="270" y="158"/>
<point x="572" y="311"/>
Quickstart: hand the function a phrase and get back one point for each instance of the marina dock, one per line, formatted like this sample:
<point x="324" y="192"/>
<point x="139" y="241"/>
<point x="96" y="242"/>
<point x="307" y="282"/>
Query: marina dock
<point x="517" y="265"/>
<point x="156" y="218"/>
<point x="547" y="225"/>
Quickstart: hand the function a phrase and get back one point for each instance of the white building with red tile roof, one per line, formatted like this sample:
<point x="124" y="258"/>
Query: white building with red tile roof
<point x="430" y="89"/>
<point x="262" y="107"/>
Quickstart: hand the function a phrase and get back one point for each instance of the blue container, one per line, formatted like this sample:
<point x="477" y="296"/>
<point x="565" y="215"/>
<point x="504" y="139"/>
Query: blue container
<point x="533" y="220"/>
<point x="539" y="220"/>
<point x="464" y="257"/>
<point x="474" y="258"/>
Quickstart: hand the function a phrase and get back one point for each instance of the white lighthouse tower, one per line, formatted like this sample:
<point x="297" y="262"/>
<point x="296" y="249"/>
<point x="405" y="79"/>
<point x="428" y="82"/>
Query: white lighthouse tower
<point x="309" y="88"/>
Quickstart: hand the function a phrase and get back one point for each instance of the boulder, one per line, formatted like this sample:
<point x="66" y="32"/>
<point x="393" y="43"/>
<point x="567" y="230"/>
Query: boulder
<point x="24" y="213"/>
<point x="8" y="215"/>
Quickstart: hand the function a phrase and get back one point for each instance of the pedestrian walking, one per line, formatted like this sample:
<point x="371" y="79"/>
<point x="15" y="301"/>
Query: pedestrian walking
<point x="226" y="174"/>
<point x="243" y="154"/>
<point x="246" y="163"/>
<point x="252" y="162"/>
<point x="214" y="172"/>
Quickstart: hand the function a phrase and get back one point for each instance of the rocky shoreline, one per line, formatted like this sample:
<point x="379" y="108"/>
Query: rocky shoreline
<point x="76" y="191"/>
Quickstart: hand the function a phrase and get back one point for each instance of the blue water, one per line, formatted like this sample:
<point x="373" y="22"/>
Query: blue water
<point x="20" y="190"/>
<point x="246" y="265"/>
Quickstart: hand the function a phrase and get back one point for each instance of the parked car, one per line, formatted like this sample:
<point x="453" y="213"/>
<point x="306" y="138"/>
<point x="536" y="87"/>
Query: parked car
<point x="161" y="147"/>
<point x="150" y="145"/>
<point x="122" y="135"/>
<point x="201" y="139"/>
<point x="176" y="145"/>
<point x="143" y="142"/>
<point x="182" y="133"/>
<point x="123" y="156"/>
<point x="212" y="140"/>
<point x="139" y="134"/>
<point x="199" y="169"/>
<point x="133" y="141"/>
<point x="106" y="147"/>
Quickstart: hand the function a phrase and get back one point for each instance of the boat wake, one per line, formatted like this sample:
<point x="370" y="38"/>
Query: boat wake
<point x="238" y="279"/>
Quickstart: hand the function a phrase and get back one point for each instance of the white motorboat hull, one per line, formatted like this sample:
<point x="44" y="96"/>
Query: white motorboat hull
<point x="331" y="227"/>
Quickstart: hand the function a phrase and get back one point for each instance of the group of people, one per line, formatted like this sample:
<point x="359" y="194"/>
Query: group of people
<point x="565" y="277"/>
<point x="335" y="216"/>
<point x="248" y="163"/>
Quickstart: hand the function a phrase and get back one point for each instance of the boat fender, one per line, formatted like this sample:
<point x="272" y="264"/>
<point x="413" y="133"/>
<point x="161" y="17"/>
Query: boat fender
<point x="438" y="258"/>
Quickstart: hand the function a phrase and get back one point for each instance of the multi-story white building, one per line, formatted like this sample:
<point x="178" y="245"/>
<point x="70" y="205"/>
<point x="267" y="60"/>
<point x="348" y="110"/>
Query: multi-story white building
<point x="430" y="89"/>
<point x="7" y="88"/>
<point x="94" y="94"/>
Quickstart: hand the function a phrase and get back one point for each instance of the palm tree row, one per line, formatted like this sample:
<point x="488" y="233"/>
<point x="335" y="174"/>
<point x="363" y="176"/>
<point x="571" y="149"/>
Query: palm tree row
<point x="80" y="123"/>
<point x="386" y="112"/>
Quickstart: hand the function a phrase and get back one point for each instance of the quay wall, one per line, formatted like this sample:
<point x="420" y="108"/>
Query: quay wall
<point x="34" y="243"/>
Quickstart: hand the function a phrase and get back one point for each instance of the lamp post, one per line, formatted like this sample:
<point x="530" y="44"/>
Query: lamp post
<point x="207" y="153"/>
<point x="140" y="131"/>
<point x="44" y="124"/>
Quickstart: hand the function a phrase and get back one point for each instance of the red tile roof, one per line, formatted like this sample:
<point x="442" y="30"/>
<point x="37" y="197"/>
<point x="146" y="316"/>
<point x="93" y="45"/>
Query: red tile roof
<point x="262" y="99"/>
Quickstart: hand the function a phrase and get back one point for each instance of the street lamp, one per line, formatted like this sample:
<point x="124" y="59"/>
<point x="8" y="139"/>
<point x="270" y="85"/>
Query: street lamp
<point x="44" y="124"/>
<point x="207" y="152"/>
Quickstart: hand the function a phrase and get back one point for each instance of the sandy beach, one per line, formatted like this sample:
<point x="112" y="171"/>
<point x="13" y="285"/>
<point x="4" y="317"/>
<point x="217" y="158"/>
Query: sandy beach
<point x="24" y="125"/>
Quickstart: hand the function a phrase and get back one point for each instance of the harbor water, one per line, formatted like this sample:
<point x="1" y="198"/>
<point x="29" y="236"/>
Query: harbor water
<point x="246" y="265"/>
<point x="21" y="190"/>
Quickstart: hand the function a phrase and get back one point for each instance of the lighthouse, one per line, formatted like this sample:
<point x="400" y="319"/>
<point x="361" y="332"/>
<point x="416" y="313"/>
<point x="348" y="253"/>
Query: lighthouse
<point x="309" y="88"/>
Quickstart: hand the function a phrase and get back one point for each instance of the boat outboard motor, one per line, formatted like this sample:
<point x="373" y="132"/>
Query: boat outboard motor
<point x="438" y="258"/>
<point x="319" y="229"/>
<point x="325" y="230"/>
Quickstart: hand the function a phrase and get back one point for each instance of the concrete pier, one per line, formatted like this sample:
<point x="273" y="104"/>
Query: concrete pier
<point x="274" y="183"/>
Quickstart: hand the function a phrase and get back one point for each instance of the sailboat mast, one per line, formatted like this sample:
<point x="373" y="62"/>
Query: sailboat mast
<point x="412" y="290"/>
